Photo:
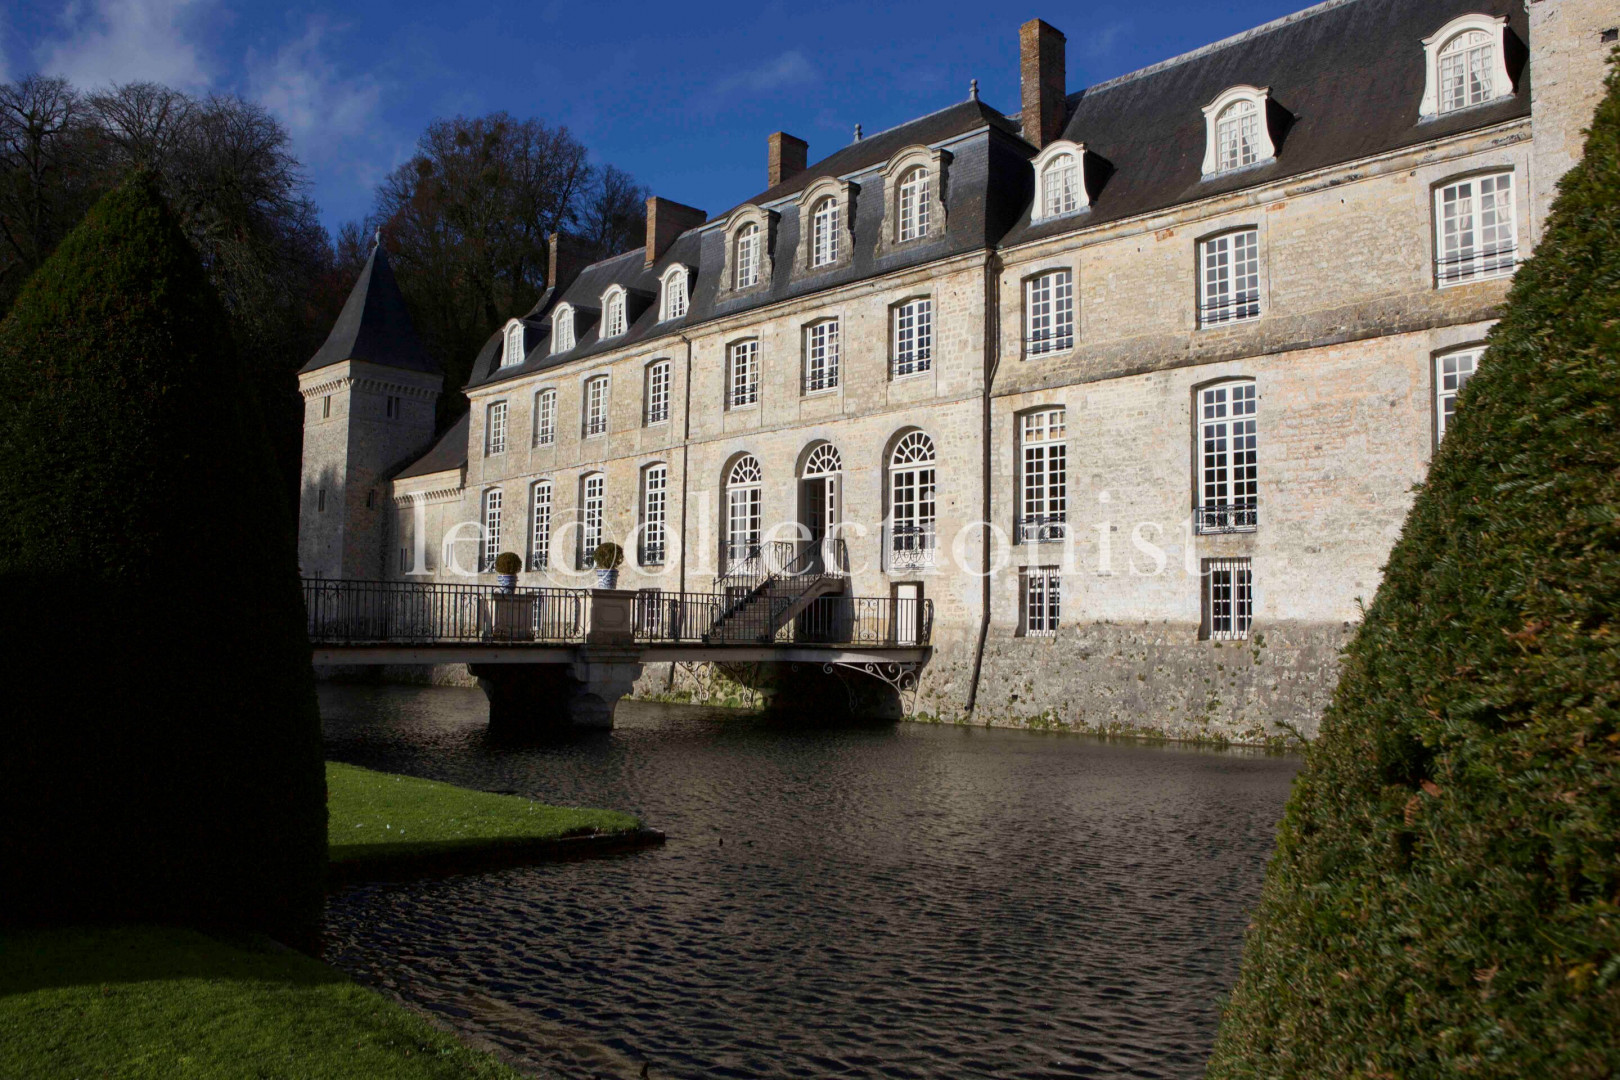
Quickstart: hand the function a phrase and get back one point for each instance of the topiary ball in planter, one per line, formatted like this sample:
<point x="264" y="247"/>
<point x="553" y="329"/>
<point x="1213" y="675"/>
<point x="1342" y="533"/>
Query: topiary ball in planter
<point x="507" y="567"/>
<point x="607" y="558"/>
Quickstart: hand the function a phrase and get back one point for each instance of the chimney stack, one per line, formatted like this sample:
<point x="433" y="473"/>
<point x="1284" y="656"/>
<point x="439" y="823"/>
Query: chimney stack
<point x="788" y="157"/>
<point x="666" y="220"/>
<point x="565" y="260"/>
<point x="1044" y="82"/>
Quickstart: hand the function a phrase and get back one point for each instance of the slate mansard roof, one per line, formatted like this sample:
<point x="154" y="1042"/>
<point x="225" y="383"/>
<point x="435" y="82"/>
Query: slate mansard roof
<point x="374" y="325"/>
<point x="1346" y="78"/>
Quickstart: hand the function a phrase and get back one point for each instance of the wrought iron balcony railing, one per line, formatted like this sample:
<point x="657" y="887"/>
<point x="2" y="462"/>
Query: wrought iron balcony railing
<point x="1042" y="528"/>
<point x="1476" y="264"/>
<point x="1239" y="307"/>
<point x="910" y="546"/>
<point x="817" y="381"/>
<point x="412" y="613"/>
<point x="1056" y="341"/>
<point x="1226" y="518"/>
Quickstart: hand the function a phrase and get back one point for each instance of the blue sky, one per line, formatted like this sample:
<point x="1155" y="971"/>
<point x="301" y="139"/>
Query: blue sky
<point x="680" y="95"/>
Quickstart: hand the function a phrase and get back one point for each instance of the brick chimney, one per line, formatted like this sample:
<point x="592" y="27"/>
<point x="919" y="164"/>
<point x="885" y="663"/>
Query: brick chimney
<point x="1044" y="81"/>
<point x="565" y="261"/>
<point x="666" y="220"/>
<point x="788" y="157"/>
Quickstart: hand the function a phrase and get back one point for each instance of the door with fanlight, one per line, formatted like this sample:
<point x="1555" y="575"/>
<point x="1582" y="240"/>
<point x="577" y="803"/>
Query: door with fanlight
<point x="823" y="471"/>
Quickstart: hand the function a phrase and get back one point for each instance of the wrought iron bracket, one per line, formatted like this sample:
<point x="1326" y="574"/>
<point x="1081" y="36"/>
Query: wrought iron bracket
<point x="899" y="674"/>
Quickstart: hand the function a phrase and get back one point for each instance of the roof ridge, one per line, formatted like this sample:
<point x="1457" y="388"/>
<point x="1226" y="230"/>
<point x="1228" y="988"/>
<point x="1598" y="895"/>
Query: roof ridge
<point x="1216" y="46"/>
<point x="904" y="123"/>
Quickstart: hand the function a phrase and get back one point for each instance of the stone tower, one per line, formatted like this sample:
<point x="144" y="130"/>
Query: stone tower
<point x="369" y="399"/>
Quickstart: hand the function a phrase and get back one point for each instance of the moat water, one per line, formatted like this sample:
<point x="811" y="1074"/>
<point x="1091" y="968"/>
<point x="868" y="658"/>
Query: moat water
<point x="873" y="900"/>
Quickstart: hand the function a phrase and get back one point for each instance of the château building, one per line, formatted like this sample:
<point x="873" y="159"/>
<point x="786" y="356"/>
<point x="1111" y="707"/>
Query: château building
<point x="1133" y="383"/>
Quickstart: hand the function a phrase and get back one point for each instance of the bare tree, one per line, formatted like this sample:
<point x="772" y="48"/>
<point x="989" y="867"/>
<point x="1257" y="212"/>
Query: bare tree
<point x="613" y="214"/>
<point x="49" y="173"/>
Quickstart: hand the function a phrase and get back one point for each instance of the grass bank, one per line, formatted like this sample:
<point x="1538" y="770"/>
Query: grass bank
<point x="167" y="1004"/>
<point x="380" y="823"/>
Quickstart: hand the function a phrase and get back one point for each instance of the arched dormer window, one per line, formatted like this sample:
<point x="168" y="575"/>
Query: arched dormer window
<point x="1060" y="183"/>
<point x="672" y="299"/>
<point x="512" y="345"/>
<point x="745" y="257"/>
<point x="613" y="322"/>
<point x="562" y="328"/>
<point x="911" y="205"/>
<point x="1236" y="131"/>
<point x="826" y="211"/>
<point x="824" y="232"/>
<point x="1466" y="65"/>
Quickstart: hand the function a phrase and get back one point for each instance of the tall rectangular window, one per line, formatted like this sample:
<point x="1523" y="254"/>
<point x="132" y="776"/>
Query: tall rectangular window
<point x="654" y="513"/>
<point x="1043" y="595"/>
<point x="1229" y="459"/>
<point x="658" y="392"/>
<point x="1477" y="238"/>
<point x="596" y="406"/>
<point x="545" y="418"/>
<point x="1230" y="282"/>
<point x="495" y="429"/>
<point x="913" y="204"/>
<point x="592" y="497"/>
<point x="1466" y="66"/>
<point x="540" y="527"/>
<point x="824" y="225"/>
<point x="1044" y="464"/>
<point x="1450" y="373"/>
<point x="913" y="337"/>
<point x="326" y="407"/>
<point x="614" y="319"/>
<point x="674" y="293"/>
<point x="391" y="407"/>
<point x="1049" y="313"/>
<point x="743" y="387"/>
<point x="492" y="527"/>
<point x="821" y="356"/>
<point x="1228" y="598"/>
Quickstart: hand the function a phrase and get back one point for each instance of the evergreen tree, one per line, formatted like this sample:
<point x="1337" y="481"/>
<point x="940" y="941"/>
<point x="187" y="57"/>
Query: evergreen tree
<point x="1445" y="896"/>
<point x="162" y="738"/>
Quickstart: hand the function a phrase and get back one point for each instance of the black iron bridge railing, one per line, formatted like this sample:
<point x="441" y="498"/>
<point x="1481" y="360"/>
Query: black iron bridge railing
<point x="420" y="613"/>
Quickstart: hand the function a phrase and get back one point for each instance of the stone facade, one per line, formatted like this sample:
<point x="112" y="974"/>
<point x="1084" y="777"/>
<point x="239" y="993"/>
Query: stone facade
<point x="1342" y="358"/>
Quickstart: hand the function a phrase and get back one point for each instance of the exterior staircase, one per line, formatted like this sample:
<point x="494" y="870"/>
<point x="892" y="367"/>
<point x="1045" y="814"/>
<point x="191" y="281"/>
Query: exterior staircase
<point x="767" y="589"/>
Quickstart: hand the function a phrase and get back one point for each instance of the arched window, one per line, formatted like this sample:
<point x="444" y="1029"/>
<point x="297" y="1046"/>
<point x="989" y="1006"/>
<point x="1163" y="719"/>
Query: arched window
<point x="823" y="472"/>
<point x="562" y="329"/>
<point x="1060" y="186"/>
<point x="512" y="351"/>
<point x="913" y="204"/>
<point x="1237" y="136"/>
<point x="613" y="313"/>
<point x="673" y="301"/>
<point x="1228" y="458"/>
<point x="1467" y="62"/>
<point x="745" y="257"/>
<point x="540" y="526"/>
<point x="824" y="233"/>
<point x="912" y="502"/>
<point x="743" y="501"/>
<point x="824" y="460"/>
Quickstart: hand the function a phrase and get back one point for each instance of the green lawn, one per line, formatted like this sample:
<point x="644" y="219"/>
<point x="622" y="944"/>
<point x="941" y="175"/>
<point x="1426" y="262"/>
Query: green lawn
<point x="170" y="1004"/>
<point x="379" y="816"/>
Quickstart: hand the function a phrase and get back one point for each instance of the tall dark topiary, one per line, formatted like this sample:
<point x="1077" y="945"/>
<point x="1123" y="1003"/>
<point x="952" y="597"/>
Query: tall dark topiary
<point x="1445" y="896"/>
<point x="162" y="755"/>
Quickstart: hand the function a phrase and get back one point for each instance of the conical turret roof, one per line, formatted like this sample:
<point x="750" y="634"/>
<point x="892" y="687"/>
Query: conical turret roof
<point x="374" y="325"/>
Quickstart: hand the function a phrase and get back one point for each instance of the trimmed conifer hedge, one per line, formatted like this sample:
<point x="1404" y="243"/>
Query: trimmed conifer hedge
<point x="1445" y="896"/>
<point x="162" y="747"/>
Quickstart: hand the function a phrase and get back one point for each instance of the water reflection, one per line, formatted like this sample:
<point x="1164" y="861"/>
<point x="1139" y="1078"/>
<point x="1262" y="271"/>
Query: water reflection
<point x="878" y="900"/>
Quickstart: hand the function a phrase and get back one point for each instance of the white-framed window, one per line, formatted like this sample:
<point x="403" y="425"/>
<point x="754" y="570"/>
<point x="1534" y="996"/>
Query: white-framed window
<point x="596" y="406"/>
<point x="1451" y="371"/>
<point x="742" y="383"/>
<point x="1043" y="464"/>
<point x="744" y="522"/>
<point x="821" y="356"/>
<point x="562" y="329"/>
<point x="1236" y="134"/>
<point x="657" y="392"/>
<point x="912" y="204"/>
<point x="824" y="233"/>
<point x="1229" y="284"/>
<point x="745" y="255"/>
<point x="1043" y="601"/>
<point x="1060" y="186"/>
<point x="545" y="417"/>
<point x="495" y="429"/>
<point x="613" y="320"/>
<point x="540" y="525"/>
<point x="672" y="301"/>
<point x="1229" y="471"/>
<point x="1475" y="229"/>
<point x="512" y="347"/>
<point x="1228" y="599"/>
<point x="912" y="502"/>
<point x="913" y="336"/>
<point x="1465" y="65"/>
<point x="492" y="528"/>
<point x="1049" y="313"/>
<point x="654" y="514"/>
<point x="592" y="500"/>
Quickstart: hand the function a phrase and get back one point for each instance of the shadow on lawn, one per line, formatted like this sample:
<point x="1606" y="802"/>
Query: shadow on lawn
<point x="41" y="959"/>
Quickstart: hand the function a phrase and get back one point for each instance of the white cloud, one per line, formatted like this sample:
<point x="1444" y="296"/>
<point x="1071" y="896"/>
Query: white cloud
<point x="1101" y="43"/>
<point x="788" y="69"/>
<point x="120" y="41"/>
<point x="323" y="110"/>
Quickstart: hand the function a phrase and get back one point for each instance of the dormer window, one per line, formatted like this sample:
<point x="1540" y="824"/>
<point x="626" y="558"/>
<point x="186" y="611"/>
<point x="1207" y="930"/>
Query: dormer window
<point x="613" y="312"/>
<point x="746" y="258"/>
<point x="913" y="204"/>
<point x="512" y="347"/>
<point x="1060" y="180"/>
<point x="1466" y="65"/>
<point x="824" y="233"/>
<point x="1236" y="132"/>
<point x="562" y="329"/>
<point x="672" y="298"/>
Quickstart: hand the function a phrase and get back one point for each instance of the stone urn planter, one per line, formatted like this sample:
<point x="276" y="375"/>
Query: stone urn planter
<point x="607" y="559"/>
<point x="507" y="568"/>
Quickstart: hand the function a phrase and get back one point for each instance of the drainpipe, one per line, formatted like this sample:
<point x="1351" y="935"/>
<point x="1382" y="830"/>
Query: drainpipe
<point x="992" y="361"/>
<point x="686" y="444"/>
